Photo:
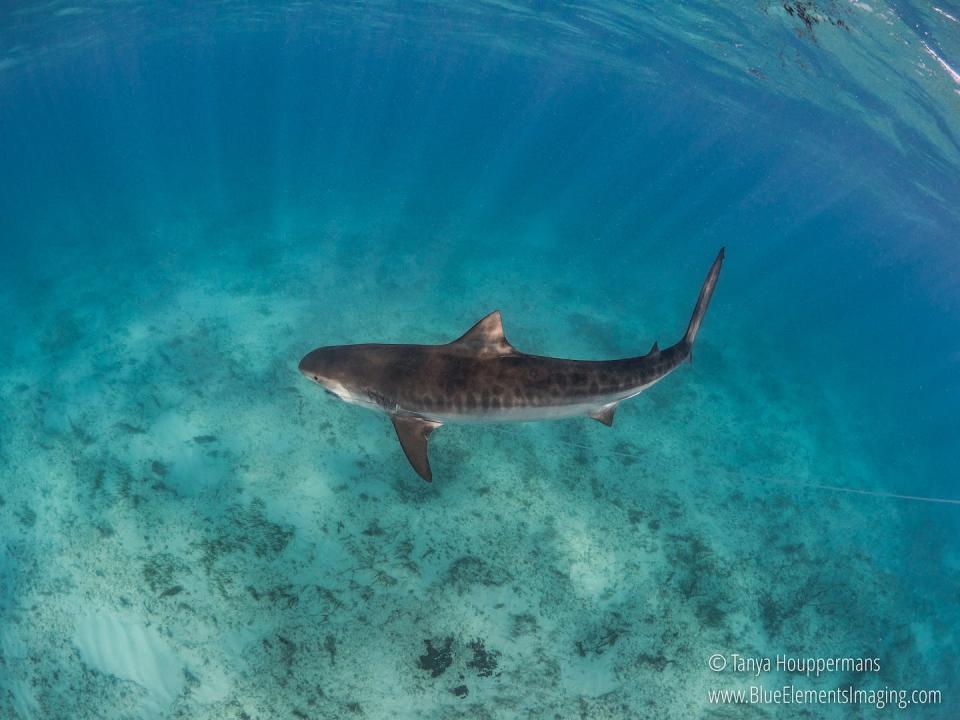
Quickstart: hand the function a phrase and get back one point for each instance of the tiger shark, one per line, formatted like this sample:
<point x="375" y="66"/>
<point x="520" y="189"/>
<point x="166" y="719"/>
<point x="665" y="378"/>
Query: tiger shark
<point x="480" y="377"/>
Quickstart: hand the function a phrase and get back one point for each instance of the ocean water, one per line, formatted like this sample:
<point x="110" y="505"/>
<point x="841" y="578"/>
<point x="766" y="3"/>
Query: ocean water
<point x="194" y="195"/>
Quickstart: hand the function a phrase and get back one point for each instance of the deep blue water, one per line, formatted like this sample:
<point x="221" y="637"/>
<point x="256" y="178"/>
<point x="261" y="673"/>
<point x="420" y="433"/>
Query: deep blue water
<point x="193" y="197"/>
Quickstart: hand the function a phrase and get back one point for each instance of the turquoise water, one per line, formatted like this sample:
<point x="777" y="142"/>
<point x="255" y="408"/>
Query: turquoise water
<point x="194" y="196"/>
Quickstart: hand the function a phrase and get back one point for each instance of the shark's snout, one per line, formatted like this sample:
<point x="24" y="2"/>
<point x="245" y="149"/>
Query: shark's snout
<point x="302" y="367"/>
<point x="312" y="368"/>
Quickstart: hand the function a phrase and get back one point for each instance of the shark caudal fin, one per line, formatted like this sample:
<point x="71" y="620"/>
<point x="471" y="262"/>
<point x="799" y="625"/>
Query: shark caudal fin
<point x="706" y="292"/>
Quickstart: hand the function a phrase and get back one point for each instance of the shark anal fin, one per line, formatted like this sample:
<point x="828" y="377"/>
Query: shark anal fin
<point x="605" y="414"/>
<point x="413" y="433"/>
<point x="486" y="338"/>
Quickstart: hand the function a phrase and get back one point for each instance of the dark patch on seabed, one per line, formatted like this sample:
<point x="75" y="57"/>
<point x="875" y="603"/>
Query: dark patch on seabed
<point x="437" y="658"/>
<point x="484" y="661"/>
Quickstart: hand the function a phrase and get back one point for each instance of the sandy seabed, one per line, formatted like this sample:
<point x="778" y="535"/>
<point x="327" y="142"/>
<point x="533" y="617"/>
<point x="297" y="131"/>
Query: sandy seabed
<point x="191" y="530"/>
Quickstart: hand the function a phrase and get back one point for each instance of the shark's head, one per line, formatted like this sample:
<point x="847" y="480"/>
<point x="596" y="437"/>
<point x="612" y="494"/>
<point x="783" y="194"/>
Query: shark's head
<point x="330" y="367"/>
<point x="348" y="372"/>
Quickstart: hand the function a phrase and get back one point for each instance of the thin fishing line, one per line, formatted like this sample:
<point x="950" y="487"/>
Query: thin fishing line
<point x="849" y="490"/>
<point x="774" y="479"/>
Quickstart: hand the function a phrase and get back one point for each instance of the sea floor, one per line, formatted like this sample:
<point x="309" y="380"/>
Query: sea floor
<point x="192" y="530"/>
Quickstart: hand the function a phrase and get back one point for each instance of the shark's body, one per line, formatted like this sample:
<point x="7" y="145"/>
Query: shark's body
<point x="480" y="377"/>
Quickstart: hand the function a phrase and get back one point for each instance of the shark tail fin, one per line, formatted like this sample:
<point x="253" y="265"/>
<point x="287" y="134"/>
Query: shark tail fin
<point x="706" y="292"/>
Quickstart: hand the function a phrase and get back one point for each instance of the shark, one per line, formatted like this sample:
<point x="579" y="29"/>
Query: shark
<point x="481" y="378"/>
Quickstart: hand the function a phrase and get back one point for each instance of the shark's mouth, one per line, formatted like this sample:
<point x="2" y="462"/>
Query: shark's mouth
<point x="336" y="389"/>
<point x="323" y="384"/>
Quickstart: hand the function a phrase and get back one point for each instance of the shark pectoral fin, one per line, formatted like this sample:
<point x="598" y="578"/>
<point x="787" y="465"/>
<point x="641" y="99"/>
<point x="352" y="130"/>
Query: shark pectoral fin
<point x="413" y="433"/>
<point x="486" y="339"/>
<point x="605" y="414"/>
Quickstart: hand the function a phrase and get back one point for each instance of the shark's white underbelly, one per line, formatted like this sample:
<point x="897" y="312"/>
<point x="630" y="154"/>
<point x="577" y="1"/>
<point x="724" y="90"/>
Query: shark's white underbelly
<point x="528" y="413"/>
<point x="517" y="414"/>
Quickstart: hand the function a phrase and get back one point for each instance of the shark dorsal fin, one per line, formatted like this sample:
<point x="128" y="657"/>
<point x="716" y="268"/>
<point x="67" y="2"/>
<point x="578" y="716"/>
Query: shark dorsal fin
<point x="486" y="338"/>
<point x="413" y="433"/>
<point x="655" y="349"/>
